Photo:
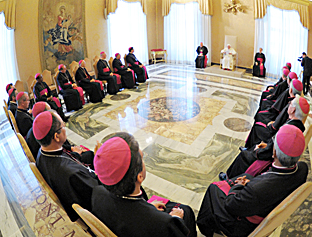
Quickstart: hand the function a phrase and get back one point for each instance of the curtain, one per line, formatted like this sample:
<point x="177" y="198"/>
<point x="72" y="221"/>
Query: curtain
<point x="184" y="28"/>
<point x="127" y="28"/>
<point x="8" y="7"/>
<point x="8" y="65"/>
<point x="205" y="6"/>
<point x="111" y="5"/>
<point x="302" y="7"/>
<point x="283" y="39"/>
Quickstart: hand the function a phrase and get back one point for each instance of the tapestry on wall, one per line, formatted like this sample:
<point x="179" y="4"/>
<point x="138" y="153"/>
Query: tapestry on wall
<point x="61" y="32"/>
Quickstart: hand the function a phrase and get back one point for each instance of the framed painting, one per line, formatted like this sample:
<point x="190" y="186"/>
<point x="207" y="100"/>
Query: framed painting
<point x="62" y="37"/>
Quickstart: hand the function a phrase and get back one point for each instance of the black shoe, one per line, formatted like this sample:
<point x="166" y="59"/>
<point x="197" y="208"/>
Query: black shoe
<point x="137" y="84"/>
<point x="241" y="148"/>
<point x="222" y="176"/>
<point x="65" y="119"/>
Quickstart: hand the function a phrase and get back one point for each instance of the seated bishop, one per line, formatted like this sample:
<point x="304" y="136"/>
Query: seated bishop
<point x="121" y="203"/>
<point x="236" y="207"/>
<point x="228" y="60"/>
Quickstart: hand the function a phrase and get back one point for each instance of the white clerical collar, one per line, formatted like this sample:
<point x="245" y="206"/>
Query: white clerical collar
<point x="59" y="149"/>
<point x="281" y="167"/>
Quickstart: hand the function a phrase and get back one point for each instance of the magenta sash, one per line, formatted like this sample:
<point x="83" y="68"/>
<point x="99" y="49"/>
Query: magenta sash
<point x="254" y="219"/>
<point x="223" y="186"/>
<point x="115" y="70"/>
<point x="57" y="102"/>
<point x="257" y="167"/>
<point x="101" y="84"/>
<point x="118" y="78"/>
<point x="145" y="72"/>
<point x="80" y="90"/>
<point x="122" y="66"/>
<point x="261" y="65"/>
<point x="106" y="69"/>
<point x="263" y="111"/>
<point x="261" y="124"/>
<point x="133" y="76"/>
<point x="44" y="91"/>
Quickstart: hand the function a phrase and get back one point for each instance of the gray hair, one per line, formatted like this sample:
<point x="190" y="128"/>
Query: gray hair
<point x="294" y="90"/>
<point x="298" y="113"/>
<point x="284" y="159"/>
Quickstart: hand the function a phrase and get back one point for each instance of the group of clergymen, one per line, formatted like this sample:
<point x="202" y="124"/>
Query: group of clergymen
<point x="108" y="181"/>
<point x="117" y="78"/>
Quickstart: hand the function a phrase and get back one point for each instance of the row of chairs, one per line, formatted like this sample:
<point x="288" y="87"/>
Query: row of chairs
<point x="270" y="226"/>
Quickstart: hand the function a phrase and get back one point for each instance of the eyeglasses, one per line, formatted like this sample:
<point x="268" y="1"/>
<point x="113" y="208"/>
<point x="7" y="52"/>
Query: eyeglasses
<point x="59" y="129"/>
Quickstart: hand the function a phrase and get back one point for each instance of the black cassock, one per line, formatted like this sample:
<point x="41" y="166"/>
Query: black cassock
<point x="134" y="64"/>
<point x="133" y="216"/>
<point x="92" y="88"/>
<point x="259" y="131"/>
<point x="85" y="157"/>
<point x="24" y="121"/>
<point x="42" y="92"/>
<point x="268" y="98"/>
<point x="113" y="82"/>
<point x="238" y="210"/>
<point x="200" y="60"/>
<point x="13" y="107"/>
<point x="71" y="181"/>
<point x="259" y="70"/>
<point x="70" y="95"/>
<point x="246" y="157"/>
<point x="127" y="77"/>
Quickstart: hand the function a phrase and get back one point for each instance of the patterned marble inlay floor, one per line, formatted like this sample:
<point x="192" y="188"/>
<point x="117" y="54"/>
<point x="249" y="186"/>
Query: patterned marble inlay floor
<point x="189" y="124"/>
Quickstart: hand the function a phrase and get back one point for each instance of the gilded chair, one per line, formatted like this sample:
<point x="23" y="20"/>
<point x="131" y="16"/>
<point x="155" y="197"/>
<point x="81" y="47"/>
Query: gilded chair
<point x="51" y="193"/>
<point x="96" y="73"/>
<point x="47" y="78"/>
<point x="5" y="104"/>
<point x="19" y="85"/>
<point x="89" y="67"/>
<point x="96" y="58"/>
<point x="30" y="81"/>
<point x="7" y="115"/>
<point x="273" y="222"/>
<point x="110" y="62"/>
<point x="25" y="147"/>
<point x="13" y="121"/>
<point x="44" y="184"/>
<point x="96" y="226"/>
<point x="72" y="67"/>
<point x="126" y="63"/>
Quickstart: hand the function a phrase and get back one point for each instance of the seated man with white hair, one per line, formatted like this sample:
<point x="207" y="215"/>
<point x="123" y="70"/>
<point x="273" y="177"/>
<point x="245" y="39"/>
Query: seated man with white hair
<point x="228" y="61"/>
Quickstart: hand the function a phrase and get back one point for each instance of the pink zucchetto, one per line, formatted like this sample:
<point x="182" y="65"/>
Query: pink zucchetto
<point x="80" y="62"/>
<point x="304" y="105"/>
<point x="290" y="140"/>
<point x="288" y="65"/>
<point x="297" y="84"/>
<point x="37" y="75"/>
<point x="11" y="91"/>
<point x="116" y="54"/>
<point x="112" y="161"/>
<point x="8" y="86"/>
<point x="38" y="108"/>
<point x="293" y="75"/>
<point x="19" y="95"/>
<point x="60" y="66"/>
<point x="42" y="125"/>
<point x="102" y="53"/>
<point x="285" y="72"/>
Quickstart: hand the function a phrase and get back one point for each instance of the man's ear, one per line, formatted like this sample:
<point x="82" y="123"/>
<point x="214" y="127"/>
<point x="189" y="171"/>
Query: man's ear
<point x="292" y="109"/>
<point x="274" y="154"/>
<point x="140" y="177"/>
<point x="57" y="137"/>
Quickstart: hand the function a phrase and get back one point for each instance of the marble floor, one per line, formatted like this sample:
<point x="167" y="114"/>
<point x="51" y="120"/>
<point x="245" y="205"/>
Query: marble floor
<point x="189" y="124"/>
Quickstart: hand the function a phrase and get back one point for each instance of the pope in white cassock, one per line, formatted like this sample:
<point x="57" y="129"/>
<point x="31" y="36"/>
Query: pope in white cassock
<point x="227" y="61"/>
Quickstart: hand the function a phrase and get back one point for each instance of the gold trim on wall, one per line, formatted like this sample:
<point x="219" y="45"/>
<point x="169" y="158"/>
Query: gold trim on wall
<point x="205" y="6"/>
<point x="298" y="5"/>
